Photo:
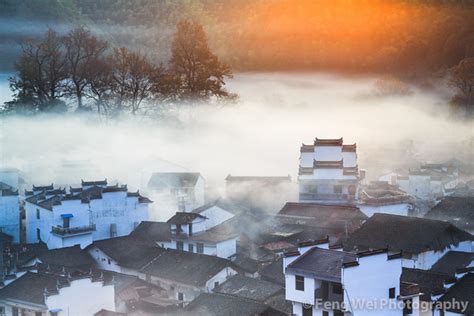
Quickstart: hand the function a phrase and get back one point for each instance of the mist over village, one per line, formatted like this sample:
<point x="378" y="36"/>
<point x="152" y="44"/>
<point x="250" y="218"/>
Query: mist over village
<point x="239" y="158"/>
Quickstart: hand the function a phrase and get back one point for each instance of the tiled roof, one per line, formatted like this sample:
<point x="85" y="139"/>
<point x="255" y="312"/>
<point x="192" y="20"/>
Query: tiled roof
<point x="250" y="288"/>
<point x="163" y="180"/>
<point x="462" y="291"/>
<point x="328" y="142"/>
<point x="456" y="210"/>
<point x="184" y="218"/>
<point x="321" y="215"/>
<point x="452" y="261"/>
<point x="128" y="251"/>
<point x="408" y="234"/>
<point x="185" y="267"/>
<point x="152" y="231"/>
<point x="322" y="264"/>
<point x="69" y="257"/>
<point x="273" y="272"/>
<point x="217" y="305"/>
<point x="428" y="281"/>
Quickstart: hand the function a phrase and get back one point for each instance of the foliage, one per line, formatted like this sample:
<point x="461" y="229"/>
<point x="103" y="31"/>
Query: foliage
<point x="198" y="71"/>
<point x="462" y="79"/>
<point x="79" y="66"/>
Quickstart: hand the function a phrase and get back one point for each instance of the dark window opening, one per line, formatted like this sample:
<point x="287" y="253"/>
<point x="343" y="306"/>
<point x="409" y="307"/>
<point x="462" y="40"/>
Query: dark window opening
<point x="66" y="222"/>
<point x="38" y="234"/>
<point x="191" y="247"/>
<point x="190" y="229"/>
<point x="200" y="248"/>
<point x="337" y="288"/>
<point x="38" y="213"/>
<point x="180" y="245"/>
<point x="307" y="310"/>
<point x="180" y="296"/>
<point x="299" y="283"/>
<point x="408" y="307"/>
<point x="216" y="284"/>
<point x="391" y="292"/>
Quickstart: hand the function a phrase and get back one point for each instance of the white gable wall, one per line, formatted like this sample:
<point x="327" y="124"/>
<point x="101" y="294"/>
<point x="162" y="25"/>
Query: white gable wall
<point x="215" y="216"/>
<point x="83" y="297"/>
<point x="371" y="281"/>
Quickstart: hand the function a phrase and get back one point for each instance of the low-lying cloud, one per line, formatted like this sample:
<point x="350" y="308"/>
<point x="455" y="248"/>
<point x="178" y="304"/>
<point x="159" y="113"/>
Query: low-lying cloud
<point x="259" y="135"/>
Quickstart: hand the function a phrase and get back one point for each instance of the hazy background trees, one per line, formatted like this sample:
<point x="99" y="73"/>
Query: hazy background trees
<point x="80" y="67"/>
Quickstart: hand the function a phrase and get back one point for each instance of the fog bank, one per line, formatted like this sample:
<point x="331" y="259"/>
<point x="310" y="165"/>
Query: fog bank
<point x="259" y="135"/>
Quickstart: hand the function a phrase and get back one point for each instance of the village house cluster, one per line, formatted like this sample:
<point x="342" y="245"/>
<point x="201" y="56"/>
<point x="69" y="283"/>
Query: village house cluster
<point x="327" y="243"/>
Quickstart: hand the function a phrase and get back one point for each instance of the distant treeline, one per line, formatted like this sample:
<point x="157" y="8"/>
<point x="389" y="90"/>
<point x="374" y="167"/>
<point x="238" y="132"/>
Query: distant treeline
<point x="411" y="39"/>
<point x="407" y="37"/>
<point x="80" y="67"/>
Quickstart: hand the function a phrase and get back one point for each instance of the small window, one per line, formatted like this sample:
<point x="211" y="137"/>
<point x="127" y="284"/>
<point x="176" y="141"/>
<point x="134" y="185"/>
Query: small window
<point x="108" y="261"/>
<point x="200" y="248"/>
<point x="338" y="313"/>
<point x="325" y="313"/>
<point x="191" y="247"/>
<point x="408" y="307"/>
<point x="180" y="296"/>
<point x="338" y="189"/>
<point x="337" y="288"/>
<point x="38" y="213"/>
<point x="38" y="234"/>
<point x="180" y="245"/>
<point x="15" y="311"/>
<point x="391" y="292"/>
<point x="216" y="284"/>
<point x="299" y="283"/>
<point x="307" y="310"/>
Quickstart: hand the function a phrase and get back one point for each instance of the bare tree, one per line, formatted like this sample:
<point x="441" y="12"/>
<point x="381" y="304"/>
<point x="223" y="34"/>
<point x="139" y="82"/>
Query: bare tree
<point x="199" y="71"/>
<point x="132" y="76"/>
<point x="462" y="78"/>
<point x="82" y="51"/>
<point x="42" y="71"/>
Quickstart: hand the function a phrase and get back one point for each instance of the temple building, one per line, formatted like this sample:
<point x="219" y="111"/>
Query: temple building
<point x="328" y="172"/>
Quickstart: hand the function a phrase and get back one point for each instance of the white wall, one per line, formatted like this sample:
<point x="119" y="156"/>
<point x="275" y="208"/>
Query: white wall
<point x="215" y="216"/>
<point x="220" y="277"/>
<point x="83" y="297"/>
<point x="103" y="261"/>
<point x="226" y="248"/>
<point x="371" y="281"/>
<point x="10" y="216"/>
<point x="306" y="296"/>
<point x="394" y="209"/>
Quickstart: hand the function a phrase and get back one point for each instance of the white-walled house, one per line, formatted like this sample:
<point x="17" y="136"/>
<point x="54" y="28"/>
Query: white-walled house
<point x="35" y="294"/>
<point x="185" y="275"/>
<point x="381" y="197"/>
<point x="125" y="255"/>
<point x="423" y="241"/>
<point x="329" y="282"/>
<point x="328" y="172"/>
<point x="193" y="232"/>
<point x="10" y="211"/>
<point x="428" y="183"/>
<point x="176" y="191"/>
<point x="91" y="212"/>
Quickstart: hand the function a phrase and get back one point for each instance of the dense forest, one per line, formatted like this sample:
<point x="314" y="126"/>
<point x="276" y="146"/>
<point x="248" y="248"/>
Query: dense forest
<point x="407" y="37"/>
